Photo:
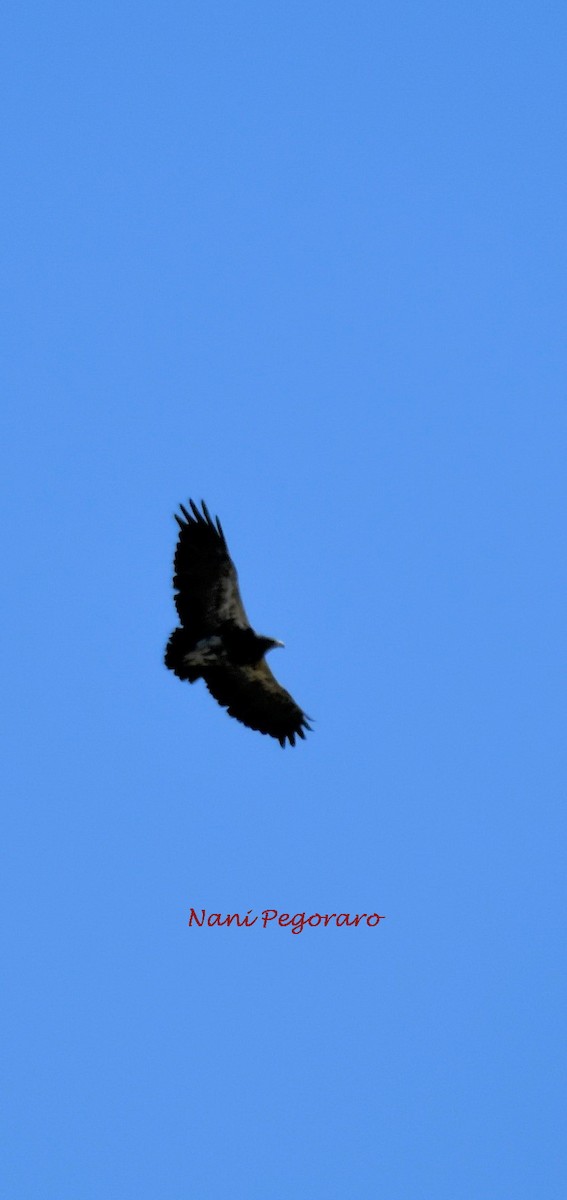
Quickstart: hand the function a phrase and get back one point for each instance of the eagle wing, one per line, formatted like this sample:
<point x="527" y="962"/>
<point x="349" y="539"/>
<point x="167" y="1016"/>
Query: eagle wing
<point x="253" y="696"/>
<point x="205" y="577"/>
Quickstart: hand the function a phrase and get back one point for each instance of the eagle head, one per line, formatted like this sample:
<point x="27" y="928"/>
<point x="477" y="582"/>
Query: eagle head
<point x="271" y="643"/>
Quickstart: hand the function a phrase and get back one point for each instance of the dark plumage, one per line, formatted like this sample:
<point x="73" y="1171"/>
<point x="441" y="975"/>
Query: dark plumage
<point x="216" y="642"/>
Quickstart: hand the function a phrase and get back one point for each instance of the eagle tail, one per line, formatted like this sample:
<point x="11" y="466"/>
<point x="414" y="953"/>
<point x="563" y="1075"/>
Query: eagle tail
<point x="179" y="645"/>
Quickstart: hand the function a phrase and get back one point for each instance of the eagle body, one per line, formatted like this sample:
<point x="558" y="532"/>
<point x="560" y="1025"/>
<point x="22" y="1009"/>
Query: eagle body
<point x="215" y="640"/>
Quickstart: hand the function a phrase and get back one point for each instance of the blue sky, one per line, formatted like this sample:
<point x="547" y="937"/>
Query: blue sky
<point x="306" y="261"/>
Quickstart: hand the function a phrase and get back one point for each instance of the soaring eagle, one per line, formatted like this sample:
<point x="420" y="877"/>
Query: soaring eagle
<point x="215" y="640"/>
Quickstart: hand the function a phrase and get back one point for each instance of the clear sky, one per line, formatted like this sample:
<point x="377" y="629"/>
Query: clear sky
<point x="307" y="261"/>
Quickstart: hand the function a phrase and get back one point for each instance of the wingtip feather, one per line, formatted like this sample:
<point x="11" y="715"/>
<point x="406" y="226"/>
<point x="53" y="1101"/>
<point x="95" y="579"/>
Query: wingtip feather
<point x="206" y="512"/>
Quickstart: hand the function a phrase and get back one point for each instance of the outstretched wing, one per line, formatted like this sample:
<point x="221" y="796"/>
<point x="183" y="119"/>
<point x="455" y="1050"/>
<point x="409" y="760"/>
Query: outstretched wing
<point x="254" y="696"/>
<point x="205" y="577"/>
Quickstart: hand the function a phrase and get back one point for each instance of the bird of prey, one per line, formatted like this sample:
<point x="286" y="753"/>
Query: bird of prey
<point x="215" y="640"/>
